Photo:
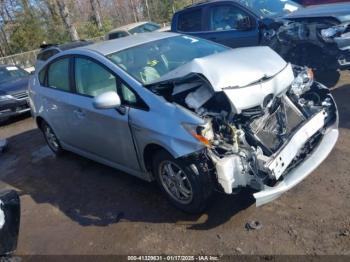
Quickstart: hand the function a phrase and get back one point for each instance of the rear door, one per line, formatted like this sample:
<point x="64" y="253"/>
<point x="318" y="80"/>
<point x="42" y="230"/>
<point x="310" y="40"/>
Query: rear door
<point x="55" y="94"/>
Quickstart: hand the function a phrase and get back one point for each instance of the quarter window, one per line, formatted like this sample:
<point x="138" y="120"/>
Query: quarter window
<point x="227" y="17"/>
<point x="58" y="75"/>
<point x="190" y="21"/>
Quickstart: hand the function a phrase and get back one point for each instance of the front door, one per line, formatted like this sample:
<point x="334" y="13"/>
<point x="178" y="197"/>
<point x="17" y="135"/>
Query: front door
<point x="104" y="133"/>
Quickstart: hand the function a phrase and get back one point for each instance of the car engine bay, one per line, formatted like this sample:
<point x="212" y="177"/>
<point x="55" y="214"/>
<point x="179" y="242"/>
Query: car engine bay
<point x="317" y="39"/>
<point x="254" y="146"/>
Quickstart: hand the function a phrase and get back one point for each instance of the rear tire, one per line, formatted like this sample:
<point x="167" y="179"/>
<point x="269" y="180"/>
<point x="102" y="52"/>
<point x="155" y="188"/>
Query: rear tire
<point x="183" y="187"/>
<point x="51" y="139"/>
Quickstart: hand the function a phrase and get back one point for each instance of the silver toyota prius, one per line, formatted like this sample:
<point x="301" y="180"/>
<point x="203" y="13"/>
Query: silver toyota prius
<point x="193" y="115"/>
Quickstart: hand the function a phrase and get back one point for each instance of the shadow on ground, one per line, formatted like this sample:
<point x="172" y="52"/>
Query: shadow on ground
<point x="14" y="119"/>
<point x="342" y="96"/>
<point x="93" y="194"/>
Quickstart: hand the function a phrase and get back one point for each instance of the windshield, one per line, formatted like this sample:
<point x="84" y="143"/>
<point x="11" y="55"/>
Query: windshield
<point x="271" y="8"/>
<point x="144" y="28"/>
<point x="10" y="73"/>
<point x="150" y="61"/>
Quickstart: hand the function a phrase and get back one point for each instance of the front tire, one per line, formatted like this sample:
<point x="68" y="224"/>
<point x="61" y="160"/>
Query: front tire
<point x="184" y="188"/>
<point x="51" y="139"/>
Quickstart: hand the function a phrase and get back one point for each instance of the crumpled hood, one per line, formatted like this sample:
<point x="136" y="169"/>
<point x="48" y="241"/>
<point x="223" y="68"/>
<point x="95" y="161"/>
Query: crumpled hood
<point x="340" y="11"/>
<point x="233" y="68"/>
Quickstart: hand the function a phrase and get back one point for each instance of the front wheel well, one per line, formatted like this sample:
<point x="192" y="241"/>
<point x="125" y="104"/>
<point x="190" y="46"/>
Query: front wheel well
<point x="39" y="120"/>
<point x="148" y="154"/>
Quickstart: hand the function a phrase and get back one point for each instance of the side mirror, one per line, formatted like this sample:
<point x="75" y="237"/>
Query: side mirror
<point x="10" y="212"/>
<point x="107" y="100"/>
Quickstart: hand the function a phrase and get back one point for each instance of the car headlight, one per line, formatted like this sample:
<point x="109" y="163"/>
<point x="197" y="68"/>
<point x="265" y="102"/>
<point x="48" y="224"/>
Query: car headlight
<point x="5" y="98"/>
<point x="201" y="133"/>
<point x="303" y="80"/>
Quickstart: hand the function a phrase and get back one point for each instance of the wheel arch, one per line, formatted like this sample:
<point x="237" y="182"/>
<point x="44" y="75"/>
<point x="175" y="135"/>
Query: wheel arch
<point x="39" y="120"/>
<point x="148" y="153"/>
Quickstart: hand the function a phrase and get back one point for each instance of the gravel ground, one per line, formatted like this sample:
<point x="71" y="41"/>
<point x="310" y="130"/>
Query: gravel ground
<point x="71" y="205"/>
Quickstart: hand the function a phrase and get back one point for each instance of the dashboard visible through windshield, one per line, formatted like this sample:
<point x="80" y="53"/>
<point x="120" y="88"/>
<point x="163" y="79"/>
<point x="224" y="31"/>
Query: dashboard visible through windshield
<point x="148" y="62"/>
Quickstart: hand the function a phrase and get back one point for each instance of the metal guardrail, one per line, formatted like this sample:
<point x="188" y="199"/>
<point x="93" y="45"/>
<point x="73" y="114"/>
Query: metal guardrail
<point x="28" y="59"/>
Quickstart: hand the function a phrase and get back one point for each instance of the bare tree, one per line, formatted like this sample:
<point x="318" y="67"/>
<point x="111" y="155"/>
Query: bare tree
<point x="67" y="20"/>
<point x="96" y="13"/>
<point x="148" y="13"/>
<point x="133" y="10"/>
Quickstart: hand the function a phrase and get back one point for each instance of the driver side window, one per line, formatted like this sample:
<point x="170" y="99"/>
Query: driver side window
<point x="92" y="79"/>
<point x="228" y="17"/>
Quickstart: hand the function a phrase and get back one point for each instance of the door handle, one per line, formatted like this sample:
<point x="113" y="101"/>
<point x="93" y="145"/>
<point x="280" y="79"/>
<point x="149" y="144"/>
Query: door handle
<point x="79" y="113"/>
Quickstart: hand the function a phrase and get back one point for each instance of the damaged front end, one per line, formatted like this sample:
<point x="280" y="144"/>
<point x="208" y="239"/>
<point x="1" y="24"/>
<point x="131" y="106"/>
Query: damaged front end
<point x="310" y="42"/>
<point x="267" y="135"/>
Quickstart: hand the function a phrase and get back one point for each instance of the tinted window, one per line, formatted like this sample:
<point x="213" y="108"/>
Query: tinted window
<point x="116" y="35"/>
<point x="227" y="17"/>
<point x="92" y="79"/>
<point x="58" y="74"/>
<point x="190" y="21"/>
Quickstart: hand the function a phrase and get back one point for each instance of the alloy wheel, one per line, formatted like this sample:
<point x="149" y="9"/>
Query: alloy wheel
<point x="175" y="182"/>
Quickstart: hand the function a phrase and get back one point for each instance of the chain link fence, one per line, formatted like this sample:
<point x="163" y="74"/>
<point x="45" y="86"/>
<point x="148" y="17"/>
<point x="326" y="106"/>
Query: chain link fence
<point x="27" y="60"/>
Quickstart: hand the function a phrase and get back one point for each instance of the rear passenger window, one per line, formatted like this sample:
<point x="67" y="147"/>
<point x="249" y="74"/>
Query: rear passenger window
<point x="92" y="79"/>
<point x="58" y="75"/>
<point x="190" y="21"/>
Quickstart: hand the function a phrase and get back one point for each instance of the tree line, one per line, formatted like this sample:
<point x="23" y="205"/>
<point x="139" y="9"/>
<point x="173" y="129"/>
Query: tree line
<point x="26" y="24"/>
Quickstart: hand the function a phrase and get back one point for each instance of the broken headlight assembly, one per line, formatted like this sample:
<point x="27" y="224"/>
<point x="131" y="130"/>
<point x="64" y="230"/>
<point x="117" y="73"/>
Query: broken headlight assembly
<point x="203" y="134"/>
<point x="303" y="80"/>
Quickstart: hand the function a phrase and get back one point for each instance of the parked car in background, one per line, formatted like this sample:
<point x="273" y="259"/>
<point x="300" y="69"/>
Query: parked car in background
<point x="135" y="28"/>
<point x="13" y="91"/>
<point x="49" y="50"/>
<point x="180" y="110"/>
<point x="316" y="36"/>
<point x="319" y="2"/>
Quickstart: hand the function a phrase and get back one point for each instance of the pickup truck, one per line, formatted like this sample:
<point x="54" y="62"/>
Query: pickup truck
<point x="315" y="36"/>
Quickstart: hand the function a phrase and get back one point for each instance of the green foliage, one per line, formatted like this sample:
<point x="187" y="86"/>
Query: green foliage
<point x="89" y="29"/>
<point x="26" y="34"/>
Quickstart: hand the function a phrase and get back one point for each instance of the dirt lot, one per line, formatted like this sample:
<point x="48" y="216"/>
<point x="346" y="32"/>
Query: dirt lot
<point x="71" y="205"/>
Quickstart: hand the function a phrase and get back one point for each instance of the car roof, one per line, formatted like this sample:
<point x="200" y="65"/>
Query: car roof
<point x="115" y="45"/>
<point x="129" y="26"/>
<point x="205" y="2"/>
<point x="66" y="46"/>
